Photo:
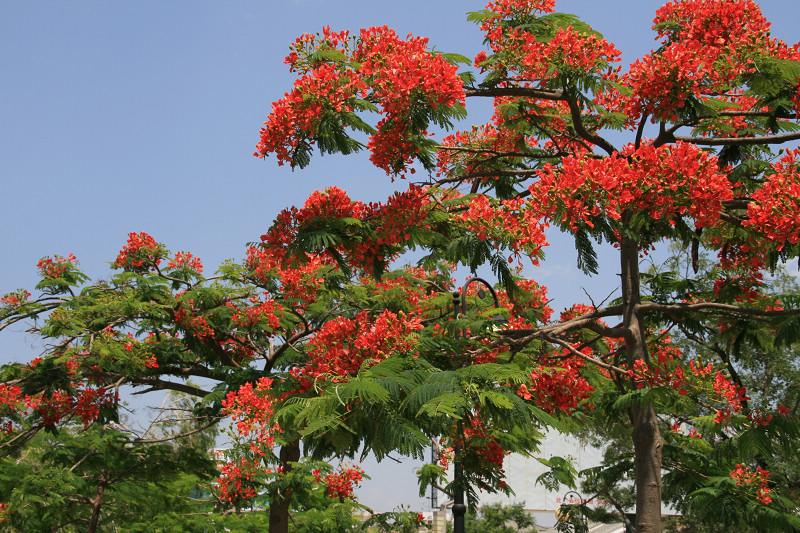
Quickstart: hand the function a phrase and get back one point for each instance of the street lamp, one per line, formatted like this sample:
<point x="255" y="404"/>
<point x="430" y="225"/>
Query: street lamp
<point x="567" y="517"/>
<point x="459" y="306"/>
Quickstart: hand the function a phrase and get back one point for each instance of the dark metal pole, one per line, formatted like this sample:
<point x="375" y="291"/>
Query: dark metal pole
<point x="459" y="507"/>
<point x="434" y="491"/>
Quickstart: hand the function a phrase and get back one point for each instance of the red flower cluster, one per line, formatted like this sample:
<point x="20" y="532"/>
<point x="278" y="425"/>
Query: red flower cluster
<point x="663" y="370"/>
<point x="507" y="222"/>
<point x="343" y="345"/>
<point x="557" y="385"/>
<point x="251" y="407"/>
<point x="665" y="182"/>
<point x="236" y="484"/>
<point x="730" y="393"/>
<point x="484" y="446"/>
<point x="567" y="53"/>
<point x="193" y="324"/>
<point x="14" y="299"/>
<point x="11" y="403"/>
<point x="532" y="299"/>
<point x="299" y="282"/>
<point x="709" y="47"/>
<point x="54" y="268"/>
<point x="755" y="481"/>
<point x="186" y="259"/>
<point x="90" y="400"/>
<point x="775" y="206"/>
<point x="141" y="254"/>
<point x="519" y="8"/>
<point x="263" y="315"/>
<point x="479" y="452"/>
<point x="341" y="484"/>
<point x="529" y="55"/>
<point x="323" y="92"/>
<point x="85" y="403"/>
<point x="472" y="151"/>
<point x="403" y="73"/>
<point x="331" y="204"/>
<point x="375" y="234"/>
<point x="378" y="65"/>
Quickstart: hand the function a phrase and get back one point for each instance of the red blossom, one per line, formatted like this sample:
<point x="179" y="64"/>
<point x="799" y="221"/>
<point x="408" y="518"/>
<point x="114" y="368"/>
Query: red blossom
<point x="516" y="8"/>
<point x="709" y="46"/>
<point x="478" y="450"/>
<point x="663" y="369"/>
<point x="666" y="183"/>
<point x="342" y="484"/>
<point x="193" y="323"/>
<point x="187" y="260"/>
<point x="506" y="221"/>
<point x="141" y="254"/>
<point x="85" y="402"/>
<point x="54" y="268"/>
<point x="236" y="484"/>
<point x="557" y="386"/>
<point x="343" y="345"/>
<point x="753" y="481"/>
<point x="264" y="315"/>
<point x="15" y="299"/>
<point x="773" y="211"/>
<point x="377" y="65"/>
<point x="251" y="408"/>
<point x="389" y="224"/>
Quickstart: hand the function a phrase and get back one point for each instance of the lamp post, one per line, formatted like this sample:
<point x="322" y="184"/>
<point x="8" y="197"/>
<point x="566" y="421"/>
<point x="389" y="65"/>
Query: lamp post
<point x="459" y="306"/>
<point x="567" y="517"/>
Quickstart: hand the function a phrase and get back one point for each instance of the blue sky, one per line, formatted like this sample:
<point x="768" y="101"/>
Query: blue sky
<point x="142" y="116"/>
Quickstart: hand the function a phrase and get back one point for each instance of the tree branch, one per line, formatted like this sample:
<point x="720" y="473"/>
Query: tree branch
<point x="736" y="141"/>
<point x="577" y="123"/>
<point x="213" y="421"/>
<point x="714" y="306"/>
<point x="160" y="384"/>
<point x="583" y="356"/>
<point x="528" y="92"/>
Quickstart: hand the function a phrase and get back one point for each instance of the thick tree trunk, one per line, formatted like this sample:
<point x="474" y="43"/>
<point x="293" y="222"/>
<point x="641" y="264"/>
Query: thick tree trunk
<point x="647" y="443"/>
<point x="279" y="506"/>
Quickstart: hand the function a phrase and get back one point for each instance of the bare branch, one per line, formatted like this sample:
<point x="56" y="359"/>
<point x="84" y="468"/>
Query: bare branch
<point x="736" y="141"/>
<point x="213" y="421"/>
<point x="714" y="306"/>
<point x="160" y="384"/>
<point x="528" y="92"/>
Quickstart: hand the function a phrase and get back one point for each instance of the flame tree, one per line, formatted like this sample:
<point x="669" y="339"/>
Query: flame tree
<point x="320" y="345"/>
<point x="702" y="114"/>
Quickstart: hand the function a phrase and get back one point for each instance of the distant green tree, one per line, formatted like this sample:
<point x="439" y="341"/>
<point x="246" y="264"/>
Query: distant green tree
<point x="497" y="518"/>
<point x="107" y="477"/>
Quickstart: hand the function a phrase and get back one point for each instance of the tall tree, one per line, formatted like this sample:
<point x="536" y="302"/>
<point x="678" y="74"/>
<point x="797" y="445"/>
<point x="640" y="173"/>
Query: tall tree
<point x="159" y="323"/>
<point x="702" y="112"/>
<point x="319" y="345"/>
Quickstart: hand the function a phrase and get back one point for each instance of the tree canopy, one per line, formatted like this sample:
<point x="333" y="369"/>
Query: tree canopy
<point x="322" y="343"/>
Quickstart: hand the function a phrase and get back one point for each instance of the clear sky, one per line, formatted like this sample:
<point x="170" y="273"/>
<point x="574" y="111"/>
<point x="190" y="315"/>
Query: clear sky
<point x="142" y="116"/>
